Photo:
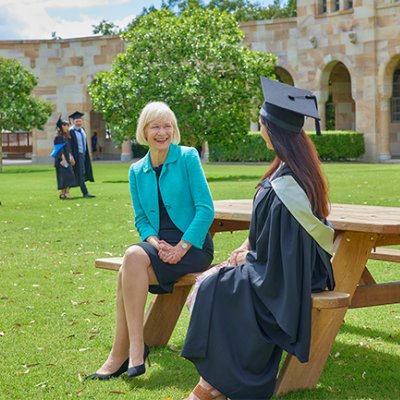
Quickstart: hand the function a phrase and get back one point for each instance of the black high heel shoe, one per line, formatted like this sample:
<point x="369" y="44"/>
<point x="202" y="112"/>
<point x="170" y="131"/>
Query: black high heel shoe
<point x="104" y="377"/>
<point x="140" y="369"/>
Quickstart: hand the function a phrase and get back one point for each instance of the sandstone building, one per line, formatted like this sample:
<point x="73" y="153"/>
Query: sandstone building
<point x="346" y="51"/>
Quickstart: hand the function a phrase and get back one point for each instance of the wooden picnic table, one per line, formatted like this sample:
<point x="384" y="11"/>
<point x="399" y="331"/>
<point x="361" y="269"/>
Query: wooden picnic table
<point x="358" y="229"/>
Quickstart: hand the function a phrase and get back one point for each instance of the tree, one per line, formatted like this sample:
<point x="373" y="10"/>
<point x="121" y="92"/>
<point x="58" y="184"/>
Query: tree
<point x="18" y="109"/>
<point x="243" y="10"/>
<point x="106" y="28"/>
<point x="196" y="63"/>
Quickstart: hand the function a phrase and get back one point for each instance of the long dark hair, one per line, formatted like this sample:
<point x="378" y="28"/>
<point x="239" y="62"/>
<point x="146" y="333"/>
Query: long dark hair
<point x="299" y="153"/>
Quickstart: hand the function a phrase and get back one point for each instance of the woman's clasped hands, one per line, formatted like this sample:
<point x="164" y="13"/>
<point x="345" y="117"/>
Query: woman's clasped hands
<point x="171" y="254"/>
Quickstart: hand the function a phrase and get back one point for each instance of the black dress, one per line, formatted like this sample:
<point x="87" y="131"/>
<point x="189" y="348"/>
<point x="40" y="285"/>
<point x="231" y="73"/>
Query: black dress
<point x="195" y="260"/>
<point x="245" y="316"/>
<point x="65" y="175"/>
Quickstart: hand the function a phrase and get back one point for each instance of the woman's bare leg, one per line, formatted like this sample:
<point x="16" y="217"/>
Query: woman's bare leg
<point x="133" y="279"/>
<point x="137" y="273"/>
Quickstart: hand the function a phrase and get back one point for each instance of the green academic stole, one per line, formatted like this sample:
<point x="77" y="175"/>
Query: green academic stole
<point x="296" y="201"/>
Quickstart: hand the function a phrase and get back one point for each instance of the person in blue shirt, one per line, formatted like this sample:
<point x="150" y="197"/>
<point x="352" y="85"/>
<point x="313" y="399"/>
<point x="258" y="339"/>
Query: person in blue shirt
<point x="83" y="166"/>
<point x="173" y="213"/>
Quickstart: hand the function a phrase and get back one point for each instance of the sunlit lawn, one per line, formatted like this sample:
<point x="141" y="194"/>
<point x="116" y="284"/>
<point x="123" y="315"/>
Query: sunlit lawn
<point x="57" y="310"/>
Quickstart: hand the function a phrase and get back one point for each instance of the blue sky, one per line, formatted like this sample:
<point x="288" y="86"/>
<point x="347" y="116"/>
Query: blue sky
<point x="37" y="19"/>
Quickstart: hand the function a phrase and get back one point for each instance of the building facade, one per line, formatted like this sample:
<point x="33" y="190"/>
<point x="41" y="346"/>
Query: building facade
<point x="64" y="69"/>
<point x="346" y="51"/>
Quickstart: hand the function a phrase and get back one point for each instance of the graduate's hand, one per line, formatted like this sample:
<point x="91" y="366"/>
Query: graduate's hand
<point x="238" y="257"/>
<point x="71" y="160"/>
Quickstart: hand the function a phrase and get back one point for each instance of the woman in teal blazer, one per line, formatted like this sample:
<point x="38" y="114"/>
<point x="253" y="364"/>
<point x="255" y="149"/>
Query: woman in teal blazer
<point x="173" y="213"/>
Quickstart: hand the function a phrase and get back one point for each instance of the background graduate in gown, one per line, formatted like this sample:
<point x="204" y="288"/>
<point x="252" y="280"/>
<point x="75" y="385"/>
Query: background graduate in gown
<point x="245" y="315"/>
<point x="63" y="159"/>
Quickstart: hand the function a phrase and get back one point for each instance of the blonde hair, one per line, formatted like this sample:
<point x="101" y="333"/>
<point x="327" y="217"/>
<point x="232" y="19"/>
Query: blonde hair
<point x="154" y="111"/>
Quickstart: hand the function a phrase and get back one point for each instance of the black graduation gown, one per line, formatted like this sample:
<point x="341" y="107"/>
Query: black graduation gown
<point x="65" y="176"/>
<point x="88" y="163"/>
<point x="245" y="316"/>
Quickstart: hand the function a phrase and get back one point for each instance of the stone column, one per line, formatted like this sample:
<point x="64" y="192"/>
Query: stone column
<point x="322" y="113"/>
<point x="126" y="151"/>
<point x="205" y="151"/>
<point x="384" y="130"/>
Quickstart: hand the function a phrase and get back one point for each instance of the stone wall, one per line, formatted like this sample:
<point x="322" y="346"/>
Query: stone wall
<point x="348" y="55"/>
<point x="362" y="42"/>
<point x="64" y="69"/>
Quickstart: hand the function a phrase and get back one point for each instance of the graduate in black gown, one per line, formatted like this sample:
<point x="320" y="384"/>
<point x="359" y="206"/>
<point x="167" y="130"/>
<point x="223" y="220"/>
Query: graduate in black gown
<point x="63" y="160"/>
<point x="245" y="315"/>
<point x="173" y="213"/>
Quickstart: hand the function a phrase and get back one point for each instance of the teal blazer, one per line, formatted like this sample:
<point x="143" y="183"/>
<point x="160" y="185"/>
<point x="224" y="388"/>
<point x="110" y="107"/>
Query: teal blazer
<point x="184" y="191"/>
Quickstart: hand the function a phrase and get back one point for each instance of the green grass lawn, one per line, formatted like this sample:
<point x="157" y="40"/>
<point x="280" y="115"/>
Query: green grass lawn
<point x="57" y="310"/>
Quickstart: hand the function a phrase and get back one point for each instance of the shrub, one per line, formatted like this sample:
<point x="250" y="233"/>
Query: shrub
<point x="331" y="146"/>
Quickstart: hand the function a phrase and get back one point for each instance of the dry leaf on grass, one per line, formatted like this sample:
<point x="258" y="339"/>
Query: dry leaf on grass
<point x="79" y="392"/>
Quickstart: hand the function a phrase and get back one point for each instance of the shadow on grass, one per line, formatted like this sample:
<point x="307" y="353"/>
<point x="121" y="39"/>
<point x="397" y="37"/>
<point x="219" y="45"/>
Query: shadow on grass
<point x="393" y="338"/>
<point x="167" y="367"/>
<point x="25" y="170"/>
<point x="354" y="372"/>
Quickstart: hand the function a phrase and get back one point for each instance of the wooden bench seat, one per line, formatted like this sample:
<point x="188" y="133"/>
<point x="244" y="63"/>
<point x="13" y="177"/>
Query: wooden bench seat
<point x="114" y="263"/>
<point x="385" y="254"/>
<point x="166" y="308"/>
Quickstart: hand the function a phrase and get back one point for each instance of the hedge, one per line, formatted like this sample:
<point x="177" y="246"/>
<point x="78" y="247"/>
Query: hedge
<point x="331" y="146"/>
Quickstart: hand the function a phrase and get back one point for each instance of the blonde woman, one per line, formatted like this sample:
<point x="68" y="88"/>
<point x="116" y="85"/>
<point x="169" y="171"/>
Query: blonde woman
<point x="173" y="212"/>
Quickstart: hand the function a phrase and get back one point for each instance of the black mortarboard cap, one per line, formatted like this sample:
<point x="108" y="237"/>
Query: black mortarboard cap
<point x="76" y="115"/>
<point x="286" y="106"/>
<point x="61" y="122"/>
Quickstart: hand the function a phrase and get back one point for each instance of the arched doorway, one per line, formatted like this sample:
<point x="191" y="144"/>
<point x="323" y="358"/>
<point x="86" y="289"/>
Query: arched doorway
<point x="395" y="113"/>
<point x="284" y="76"/>
<point x="340" y="111"/>
<point x="107" y="149"/>
<point x="389" y="110"/>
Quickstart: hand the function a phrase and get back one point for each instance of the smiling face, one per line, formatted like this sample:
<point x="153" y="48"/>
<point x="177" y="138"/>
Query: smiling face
<point x="159" y="134"/>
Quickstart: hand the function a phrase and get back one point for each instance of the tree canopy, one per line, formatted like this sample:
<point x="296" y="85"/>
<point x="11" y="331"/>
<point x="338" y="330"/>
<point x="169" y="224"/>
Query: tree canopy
<point x="242" y="10"/>
<point x="195" y="62"/>
<point x="18" y="109"/>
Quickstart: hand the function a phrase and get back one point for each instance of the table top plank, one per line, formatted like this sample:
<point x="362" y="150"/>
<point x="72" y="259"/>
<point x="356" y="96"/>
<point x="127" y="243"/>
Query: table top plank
<point x="349" y="217"/>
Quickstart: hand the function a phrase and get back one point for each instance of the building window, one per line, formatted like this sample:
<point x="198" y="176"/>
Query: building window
<point x="336" y="5"/>
<point x="348" y="4"/>
<point x="323" y="6"/>
<point x="396" y="96"/>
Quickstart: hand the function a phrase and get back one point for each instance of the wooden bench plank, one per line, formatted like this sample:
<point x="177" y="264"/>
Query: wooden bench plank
<point x="386" y="254"/>
<point x="114" y="264"/>
<point x="320" y="300"/>
<point x="164" y="310"/>
<point x="330" y="300"/>
<point x="376" y="295"/>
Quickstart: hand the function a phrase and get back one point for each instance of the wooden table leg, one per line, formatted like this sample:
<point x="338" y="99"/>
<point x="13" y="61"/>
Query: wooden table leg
<point x="162" y="315"/>
<point x="352" y="250"/>
<point x="297" y="376"/>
